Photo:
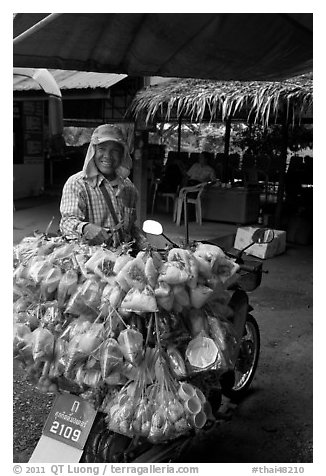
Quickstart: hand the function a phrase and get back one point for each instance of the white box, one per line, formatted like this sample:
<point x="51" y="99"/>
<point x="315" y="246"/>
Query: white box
<point x="268" y="250"/>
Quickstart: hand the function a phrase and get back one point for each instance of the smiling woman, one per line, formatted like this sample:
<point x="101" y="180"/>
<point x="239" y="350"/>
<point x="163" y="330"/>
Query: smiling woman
<point x="108" y="156"/>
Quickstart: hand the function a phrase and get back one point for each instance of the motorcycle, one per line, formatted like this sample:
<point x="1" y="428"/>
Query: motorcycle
<point x="104" y="445"/>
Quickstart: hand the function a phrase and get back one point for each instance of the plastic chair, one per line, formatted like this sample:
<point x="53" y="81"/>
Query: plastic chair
<point x="180" y="202"/>
<point x="167" y="195"/>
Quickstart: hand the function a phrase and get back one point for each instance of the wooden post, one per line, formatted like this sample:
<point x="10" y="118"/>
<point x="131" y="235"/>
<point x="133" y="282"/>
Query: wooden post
<point x="179" y="134"/>
<point x="139" y="177"/>
<point x="281" y="181"/>
<point x="225" y="175"/>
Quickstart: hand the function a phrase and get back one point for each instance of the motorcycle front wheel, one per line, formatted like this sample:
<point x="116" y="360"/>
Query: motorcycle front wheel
<point x="236" y="383"/>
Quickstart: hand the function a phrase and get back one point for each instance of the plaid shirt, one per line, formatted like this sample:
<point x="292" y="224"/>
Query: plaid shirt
<point x="83" y="202"/>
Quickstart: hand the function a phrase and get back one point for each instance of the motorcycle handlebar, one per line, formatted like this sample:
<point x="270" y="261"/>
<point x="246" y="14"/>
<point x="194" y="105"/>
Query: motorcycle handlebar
<point x="251" y="268"/>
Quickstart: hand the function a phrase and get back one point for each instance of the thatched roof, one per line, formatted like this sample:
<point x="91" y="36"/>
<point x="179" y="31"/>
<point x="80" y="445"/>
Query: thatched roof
<point x="197" y="99"/>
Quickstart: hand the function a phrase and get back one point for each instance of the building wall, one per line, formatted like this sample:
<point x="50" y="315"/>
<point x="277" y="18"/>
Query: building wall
<point x="28" y="154"/>
<point x="28" y="180"/>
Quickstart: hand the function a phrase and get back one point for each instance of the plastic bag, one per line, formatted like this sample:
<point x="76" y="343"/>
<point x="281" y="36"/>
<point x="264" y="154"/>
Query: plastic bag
<point x="201" y="352"/>
<point x="121" y="261"/>
<point x="200" y="295"/>
<point x="43" y="344"/>
<point x="51" y="281"/>
<point x="140" y="301"/>
<point x="111" y="357"/>
<point x="197" y="322"/>
<point x="131" y="345"/>
<point x="181" y="295"/>
<point x="151" y="272"/>
<point x="173" y="273"/>
<point x="67" y="286"/>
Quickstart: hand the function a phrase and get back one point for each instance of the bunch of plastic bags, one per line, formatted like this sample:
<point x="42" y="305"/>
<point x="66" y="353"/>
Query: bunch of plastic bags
<point x="83" y="321"/>
<point x="156" y="406"/>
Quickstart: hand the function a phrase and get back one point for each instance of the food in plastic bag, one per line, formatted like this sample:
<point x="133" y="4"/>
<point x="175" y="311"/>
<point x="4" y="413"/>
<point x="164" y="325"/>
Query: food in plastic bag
<point x="43" y="344"/>
<point x="197" y="322"/>
<point x="181" y="295"/>
<point x="223" y="333"/>
<point x="166" y="302"/>
<point x="131" y="345"/>
<point x="140" y="301"/>
<point x="89" y="377"/>
<point x="62" y="252"/>
<point x="39" y="269"/>
<point x="151" y="272"/>
<point x="111" y="356"/>
<point x="67" y="286"/>
<point x="208" y="252"/>
<point x="200" y="295"/>
<point x="121" y="261"/>
<point x="204" y="267"/>
<point x="201" y="352"/>
<point x="51" y="281"/>
<point x="176" y="362"/>
<point x="224" y="267"/>
<point x="134" y="273"/>
<point x="173" y="273"/>
<point x="116" y="296"/>
<point x="162" y="290"/>
<point x="83" y="344"/>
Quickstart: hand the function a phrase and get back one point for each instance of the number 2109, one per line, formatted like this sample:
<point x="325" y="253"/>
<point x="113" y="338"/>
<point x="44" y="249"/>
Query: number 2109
<point x="65" y="431"/>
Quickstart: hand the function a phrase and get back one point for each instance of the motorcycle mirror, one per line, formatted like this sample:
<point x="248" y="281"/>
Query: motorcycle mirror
<point x="153" y="227"/>
<point x="263" y="236"/>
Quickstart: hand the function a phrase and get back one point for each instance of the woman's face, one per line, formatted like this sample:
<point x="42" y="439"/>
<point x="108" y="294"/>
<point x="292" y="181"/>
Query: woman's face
<point x="108" y="156"/>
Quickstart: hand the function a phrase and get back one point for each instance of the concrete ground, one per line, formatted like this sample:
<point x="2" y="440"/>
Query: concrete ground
<point x="274" y="423"/>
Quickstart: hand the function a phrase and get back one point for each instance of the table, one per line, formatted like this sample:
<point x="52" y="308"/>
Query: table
<point x="233" y="205"/>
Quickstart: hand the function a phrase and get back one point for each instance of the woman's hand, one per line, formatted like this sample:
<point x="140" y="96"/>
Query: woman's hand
<point x="95" y="235"/>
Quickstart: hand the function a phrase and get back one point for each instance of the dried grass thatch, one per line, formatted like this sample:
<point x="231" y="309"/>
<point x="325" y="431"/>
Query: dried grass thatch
<point x="259" y="101"/>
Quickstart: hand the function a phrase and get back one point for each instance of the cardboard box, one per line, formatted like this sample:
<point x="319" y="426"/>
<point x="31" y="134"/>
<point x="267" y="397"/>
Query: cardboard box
<point x="268" y="250"/>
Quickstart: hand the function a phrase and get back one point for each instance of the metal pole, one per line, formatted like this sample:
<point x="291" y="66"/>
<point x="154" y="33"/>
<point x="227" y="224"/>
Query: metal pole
<point x="36" y="27"/>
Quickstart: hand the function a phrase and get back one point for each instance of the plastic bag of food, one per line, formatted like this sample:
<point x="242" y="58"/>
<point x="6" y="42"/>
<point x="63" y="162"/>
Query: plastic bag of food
<point x="51" y="281"/>
<point x="77" y="305"/>
<point x="140" y="301"/>
<point x="173" y="273"/>
<point x="166" y="302"/>
<point x="224" y="267"/>
<point x="162" y="290"/>
<point x="131" y="345"/>
<point x="223" y="333"/>
<point x="186" y="258"/>
<point x="111" y="357"/>
<point x="151" y="272"/>
<point x="176" y="362"/>
<point x="116" y="295"/>
<point x="134" y="273"/>
<point x="23" y="340"/>
<point x="181" y="295"/>
<point x="62" y="252"/>
<point x="43" y="344"/>
<point x="200" y="295"/>
<point x="208" y="252"/>
<point x="39" y="269"/>
<point x="201" y="352"/>
<point x="197" y="322"/>
<point x="169" y="419"/>
<point x="83" y="344"/>
<point x="88" y="377"/>
<point x="67" y="285"/>
<point x="203" y="266"/>
<point x="121" y="261"/>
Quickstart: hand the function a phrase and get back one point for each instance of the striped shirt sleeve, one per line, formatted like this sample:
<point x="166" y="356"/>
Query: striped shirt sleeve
<point x="73" y="209"/>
